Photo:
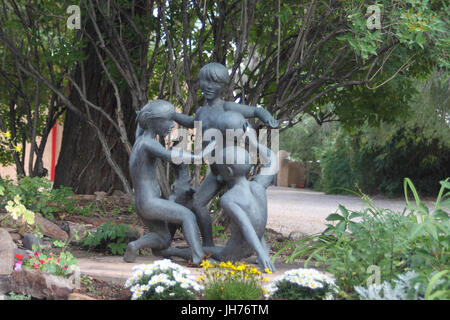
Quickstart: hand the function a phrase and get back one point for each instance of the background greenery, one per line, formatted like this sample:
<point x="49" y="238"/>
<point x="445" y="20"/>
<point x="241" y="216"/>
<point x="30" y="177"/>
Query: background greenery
<point x="375" y="158"/>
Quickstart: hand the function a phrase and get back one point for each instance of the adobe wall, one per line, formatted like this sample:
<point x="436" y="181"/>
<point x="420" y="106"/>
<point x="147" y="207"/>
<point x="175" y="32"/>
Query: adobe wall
<point x="47" y="158"/>
<point x="290" y="172"/>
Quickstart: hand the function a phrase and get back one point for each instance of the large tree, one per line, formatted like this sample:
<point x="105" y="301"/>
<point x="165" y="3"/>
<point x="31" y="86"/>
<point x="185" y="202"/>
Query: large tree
<point x="324" y="58"/>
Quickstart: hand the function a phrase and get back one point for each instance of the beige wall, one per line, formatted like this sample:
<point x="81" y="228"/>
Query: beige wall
<point x="11" y="170"/>
<point x="290" y="172"/>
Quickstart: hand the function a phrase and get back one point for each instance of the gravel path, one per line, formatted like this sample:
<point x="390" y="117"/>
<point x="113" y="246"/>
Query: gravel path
<point x="305" y="210"/>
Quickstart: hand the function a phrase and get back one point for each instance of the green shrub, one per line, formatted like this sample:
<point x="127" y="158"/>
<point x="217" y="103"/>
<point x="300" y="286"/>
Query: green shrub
<point x="335" y="161"/>
<point x="37" y="195"/>
<point x="108" y="237"/>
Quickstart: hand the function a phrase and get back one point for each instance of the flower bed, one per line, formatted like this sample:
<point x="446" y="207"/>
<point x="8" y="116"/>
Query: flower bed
<point x="58" y="265"/>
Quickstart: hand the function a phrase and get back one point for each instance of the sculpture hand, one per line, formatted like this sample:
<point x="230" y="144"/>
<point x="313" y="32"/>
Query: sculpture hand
<point x="267" y="118"/>
<point x="266" y="263"/>
<point x="271" y="123"/>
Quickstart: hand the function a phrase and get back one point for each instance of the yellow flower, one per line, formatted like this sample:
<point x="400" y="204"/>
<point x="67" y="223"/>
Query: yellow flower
<point x="206" y="264"/>
<point x="7" y="134"/>
<point x="18" y="148"/>
<point x="200" y="278"/>
<point x="267" y="270"/>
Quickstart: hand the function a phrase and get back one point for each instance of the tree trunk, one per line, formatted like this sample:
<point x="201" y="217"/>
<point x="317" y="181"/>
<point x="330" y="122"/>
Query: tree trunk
<point x="82" y="163"/>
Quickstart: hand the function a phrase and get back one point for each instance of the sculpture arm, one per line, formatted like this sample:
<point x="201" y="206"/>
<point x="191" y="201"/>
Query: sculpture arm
<point x="253" y="112"/>
<point x="174" y="155"/>
<point x="242" y="221"/>
<point x="184" y="120"/>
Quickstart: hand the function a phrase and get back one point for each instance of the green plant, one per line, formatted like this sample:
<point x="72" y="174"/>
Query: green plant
<point x="86" y="281"/>
<point x="409" y="286"/>
<point x="218" y="231"/>
<point x="438" y="287"/>
<point x="162" y="280"/>
<point x="86" y="211"/>
<point x="108" y="237"/>
<point x="59" y="265"/>
<point x="228" y="281"/>
<point x="14" y="296"/>
<point x="430" y="231"/>
<point x="233" y="290"/>
<point x="36" y="194"/>
<point x="401" y="288"/>
<point x="394" y="242"/>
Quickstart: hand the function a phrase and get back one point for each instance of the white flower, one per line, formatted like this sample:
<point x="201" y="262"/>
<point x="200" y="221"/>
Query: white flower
<point x="159" y="289"/>
<point x="136" y="295"/>
<point x="184" y="285"/>
<point x="310" y="278"/>
<point x="163" y="274"/>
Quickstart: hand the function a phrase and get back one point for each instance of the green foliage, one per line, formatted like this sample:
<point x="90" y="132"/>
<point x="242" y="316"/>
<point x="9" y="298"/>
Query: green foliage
<point x="108" y="237"/>
<point x="17" y="210"/>
<point x="218" y="231"/>
<point x="376" y="159"/>
<point x="439" y="286"/>
<point x="36" y="194"/>
<point x="395" y="242"/>
<point x="233" y="290"/>
<point x="37" y="37"/>
<point x="335" y="161"/>
<point x="414" y="24"/>
<point x="14" y="296"/>
<point x="401" y="288"/>
<point x="302" y="140"/>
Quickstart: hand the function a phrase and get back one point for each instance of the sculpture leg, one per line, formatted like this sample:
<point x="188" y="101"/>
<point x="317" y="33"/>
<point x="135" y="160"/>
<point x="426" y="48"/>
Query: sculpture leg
<point x="159" y="239"/>
<point x="168" y="211"/>
<point x="205" y="192"/>
<point x="174" y="252"/>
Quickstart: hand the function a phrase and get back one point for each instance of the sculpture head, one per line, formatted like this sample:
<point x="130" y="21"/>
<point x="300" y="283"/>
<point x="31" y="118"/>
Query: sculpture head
<point x="157" y="115"/>
<point x="236" y="163"/>
<point x="213" y="78"/>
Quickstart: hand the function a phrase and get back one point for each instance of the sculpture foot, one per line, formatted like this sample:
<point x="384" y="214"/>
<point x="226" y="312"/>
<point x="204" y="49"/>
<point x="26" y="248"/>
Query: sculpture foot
<point x="130" y="254"/>
<point x="198" y="264"/>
